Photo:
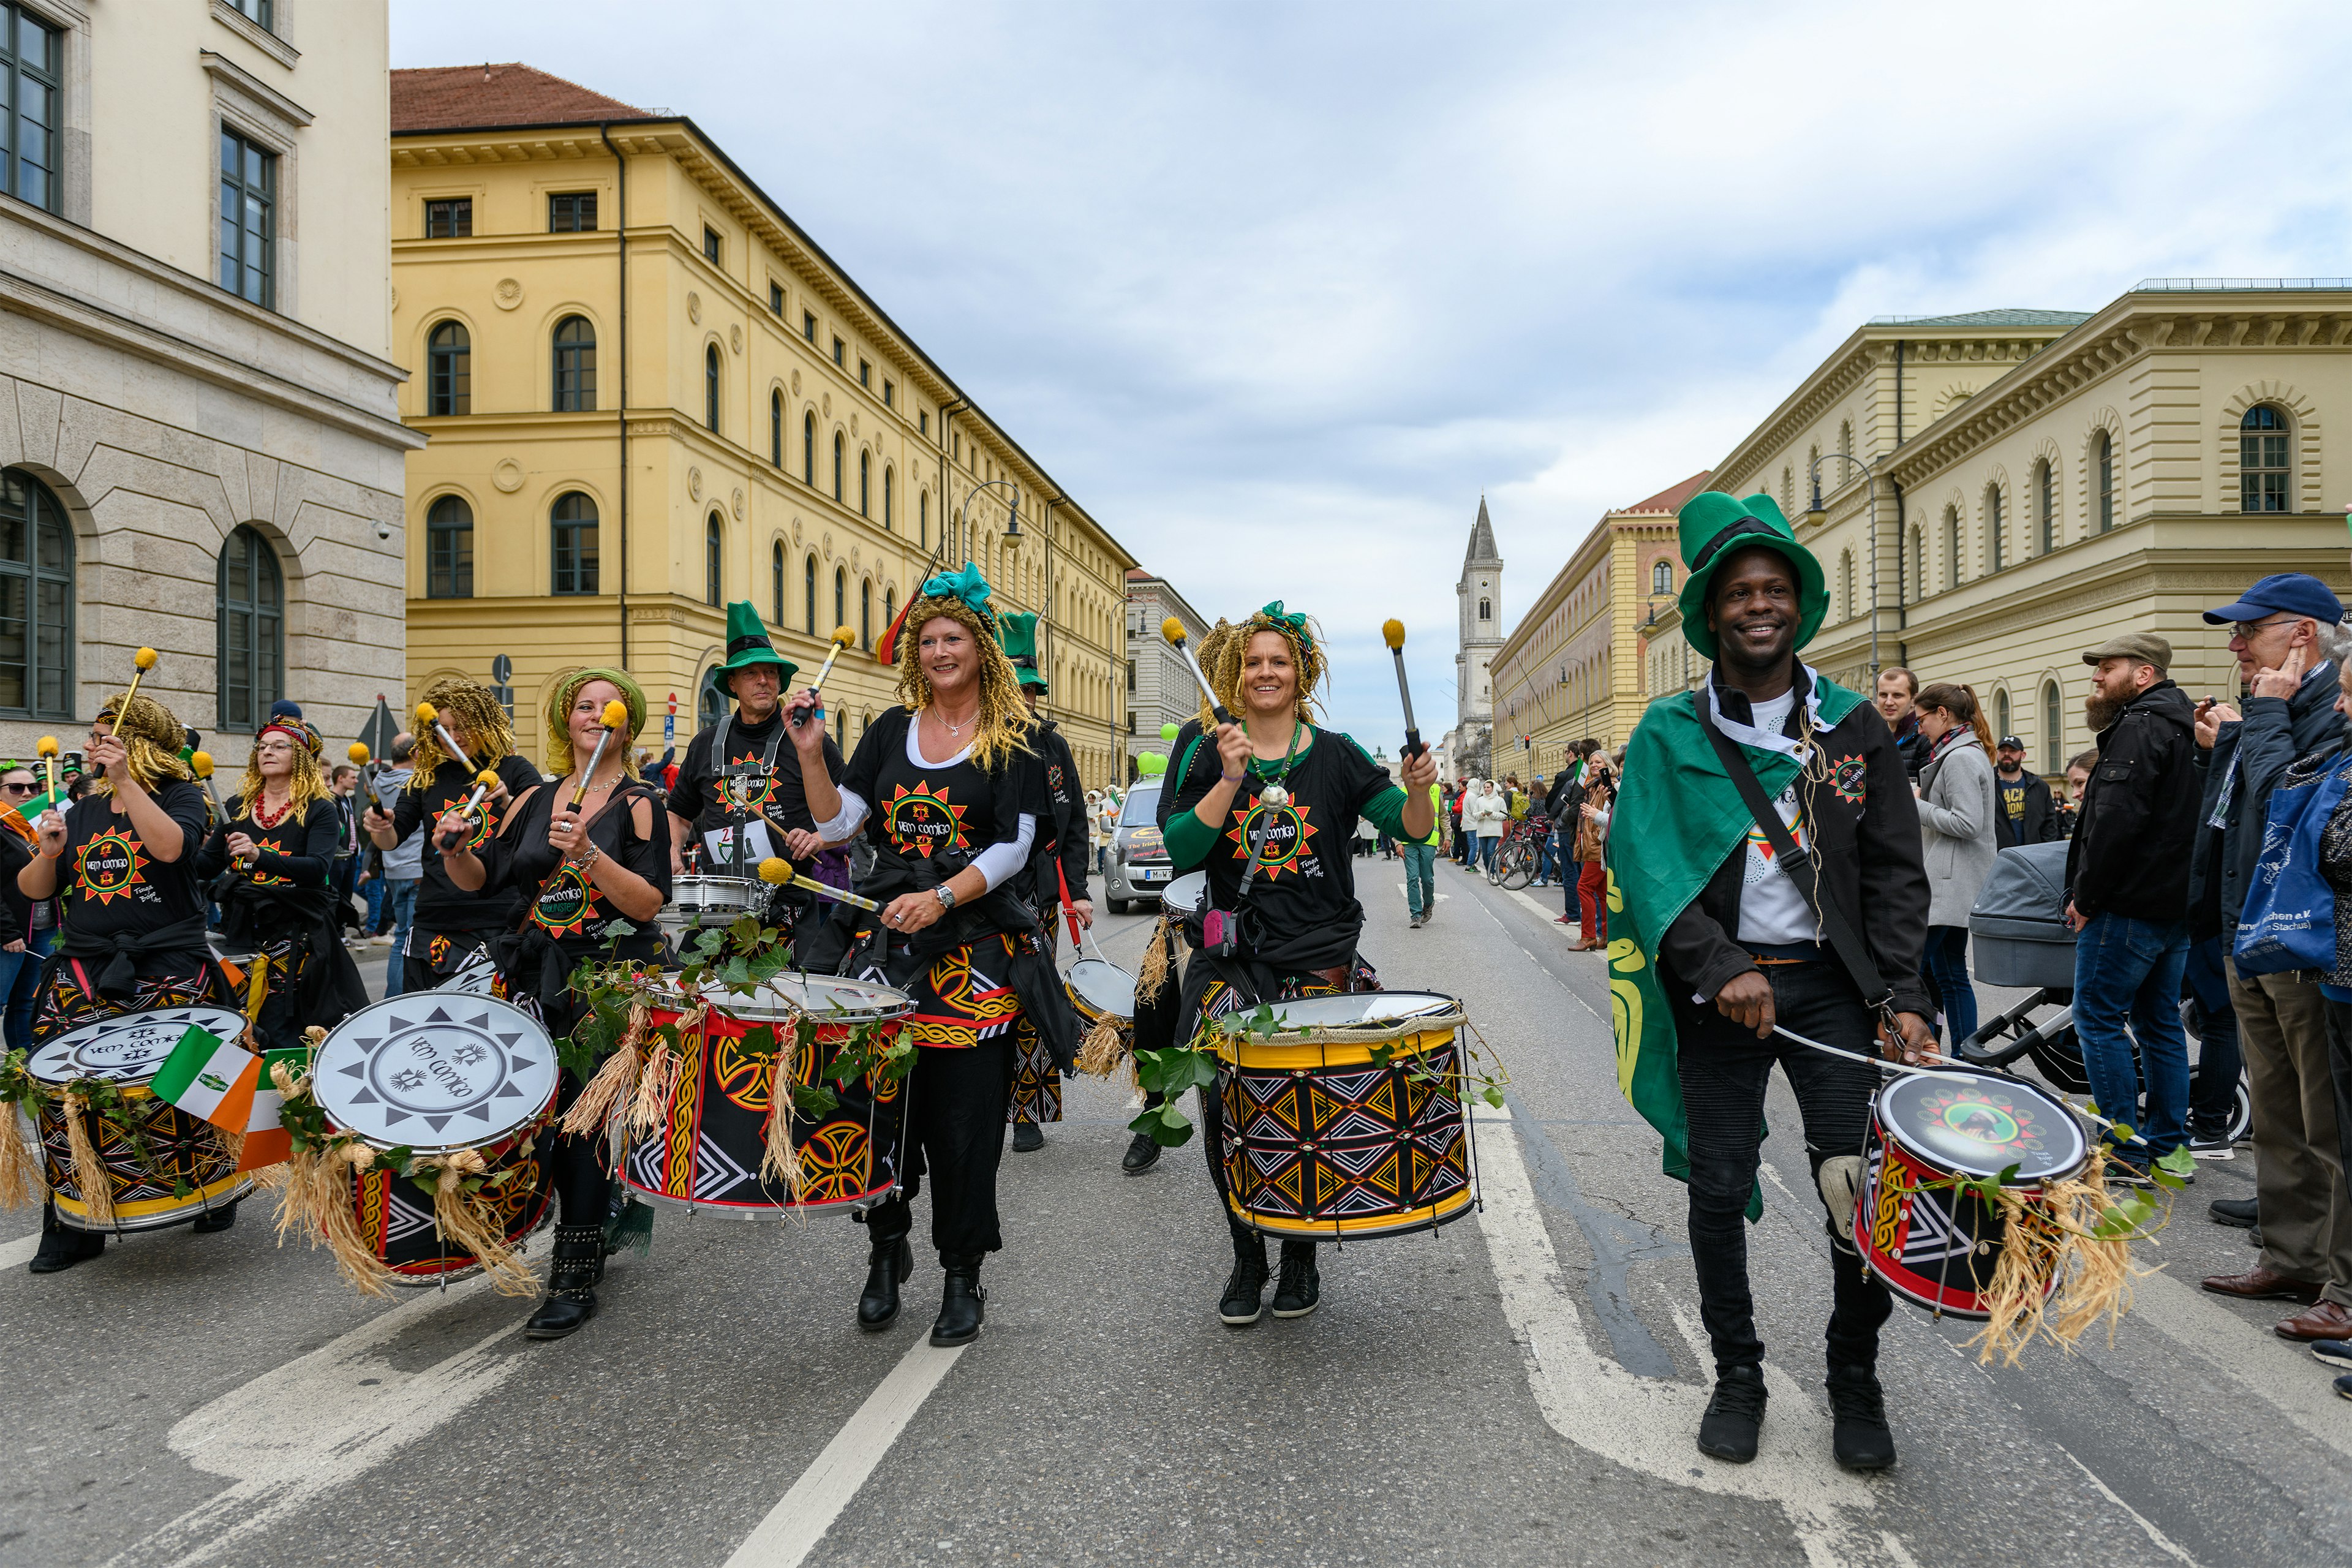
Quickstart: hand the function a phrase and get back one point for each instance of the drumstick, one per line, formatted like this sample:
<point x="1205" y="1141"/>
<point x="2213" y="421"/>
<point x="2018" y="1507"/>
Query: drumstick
<point x="615" y="714"/>
<point x="430" y="717"/>
<point x="779" y="871"/>
<point x="484" y="782"/>
<point x="144" y="660"/>
<point x="1392" y="632"/>
<point x="47" y="748"/>
<point x="1173" y="630"/>
<point x="201" y="764"/>
<point x="842" y="637"/>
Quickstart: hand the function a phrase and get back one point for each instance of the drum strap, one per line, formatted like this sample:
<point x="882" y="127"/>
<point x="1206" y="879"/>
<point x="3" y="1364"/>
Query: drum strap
<point x="1799" y="867"/>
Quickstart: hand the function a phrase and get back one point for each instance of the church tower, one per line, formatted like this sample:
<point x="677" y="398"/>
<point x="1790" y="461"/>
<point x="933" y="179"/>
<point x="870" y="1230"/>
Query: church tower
<point x="1479" y="607"/>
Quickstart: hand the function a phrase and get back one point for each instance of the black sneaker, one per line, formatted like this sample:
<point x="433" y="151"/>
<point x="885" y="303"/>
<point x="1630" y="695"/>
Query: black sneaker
<point x="1300" y="1288"/>
<point x="1027" y="1138"/>
<point x="1142" y="1154"/>
<point x="2335" y="1352"/>
<point x="1859" y="1438"/>
<point x="1734" y="1416"/>
<point x="2239" y="1212"/>
<point x="2211" y="1146"/>
<point x="2344" y="1387"/>
<point x="1243" y="1302"/>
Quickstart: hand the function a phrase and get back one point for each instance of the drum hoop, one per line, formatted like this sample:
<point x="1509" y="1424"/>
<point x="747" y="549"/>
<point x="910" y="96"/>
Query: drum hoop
<point x="1893" y="1131"/>
<point x="473" y="999"/>
<point x="227" y="1015"/>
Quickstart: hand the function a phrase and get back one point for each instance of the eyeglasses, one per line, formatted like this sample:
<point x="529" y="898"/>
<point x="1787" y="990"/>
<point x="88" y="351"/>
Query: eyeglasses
<point x="19" y="788"/>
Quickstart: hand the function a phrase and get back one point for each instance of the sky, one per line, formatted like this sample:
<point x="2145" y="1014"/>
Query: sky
<point x="1278" y="290"/>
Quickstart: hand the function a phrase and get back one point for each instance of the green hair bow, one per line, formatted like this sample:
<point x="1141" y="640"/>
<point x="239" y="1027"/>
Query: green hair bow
<point x="967" y="584"/>
<point x="1296" y="624"/>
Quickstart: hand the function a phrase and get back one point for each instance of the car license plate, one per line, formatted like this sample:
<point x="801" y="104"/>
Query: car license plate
<point x="1150" y="874"/>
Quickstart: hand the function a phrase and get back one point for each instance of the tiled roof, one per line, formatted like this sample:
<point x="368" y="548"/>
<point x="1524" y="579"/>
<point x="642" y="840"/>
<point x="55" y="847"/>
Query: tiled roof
<point x="1672" y="499"/>
<point x="2012" y="318"/>
<point x="452" y="98"/>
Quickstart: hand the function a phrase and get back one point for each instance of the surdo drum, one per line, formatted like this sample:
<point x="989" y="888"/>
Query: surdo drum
<point x="474" y="977"/>
<point x="436" y="1072"/>
<point x="1100" y="989"/>
<point x="166" y="1167"/>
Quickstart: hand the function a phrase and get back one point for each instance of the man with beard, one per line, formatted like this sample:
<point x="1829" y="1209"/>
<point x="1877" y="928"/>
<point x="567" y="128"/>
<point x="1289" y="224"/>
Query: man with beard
<point x="1897" y="700"/>
<point x="2024" y="811"/>
<point x="2128" y="894"/>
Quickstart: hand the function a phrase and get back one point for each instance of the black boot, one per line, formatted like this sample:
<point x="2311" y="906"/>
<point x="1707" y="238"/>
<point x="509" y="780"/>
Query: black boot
<point x="572" y="1276"/>
<point x="220" y="1218"/>
<point x="1243" y="1303"/>
<point x="1300" y="1287"/>
<point x="1859" y="1437"/>
<point x="1027" y="1138"/>
<point x="963" y="1303"/>
<point x="1735" y="1416"/>
<point x="1142" y="1154"/>
<point x="62" y="1247"/>
<point x="887" y="1264"/>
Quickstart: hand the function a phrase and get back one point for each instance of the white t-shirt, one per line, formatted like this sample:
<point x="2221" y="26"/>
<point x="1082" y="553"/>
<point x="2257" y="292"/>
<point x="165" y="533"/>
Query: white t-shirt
<point x="1770" y="908"/>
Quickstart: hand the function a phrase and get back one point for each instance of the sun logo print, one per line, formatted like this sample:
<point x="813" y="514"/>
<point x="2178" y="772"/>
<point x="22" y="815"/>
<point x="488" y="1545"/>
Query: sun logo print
<point x="743" y="787"/>
<point x="111" y="867"/>
<point x="567" y="904"/>
<point x="920" y="822"/>
<point x="1850" y="776"/>
<point x="1290" y="835"/>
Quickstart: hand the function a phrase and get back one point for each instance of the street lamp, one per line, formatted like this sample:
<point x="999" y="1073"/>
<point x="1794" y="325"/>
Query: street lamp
<point x="1817" y="515"/>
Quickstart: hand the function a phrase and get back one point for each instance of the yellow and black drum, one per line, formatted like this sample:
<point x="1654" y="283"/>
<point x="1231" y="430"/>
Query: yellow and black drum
<point x="1348" y="1121"/>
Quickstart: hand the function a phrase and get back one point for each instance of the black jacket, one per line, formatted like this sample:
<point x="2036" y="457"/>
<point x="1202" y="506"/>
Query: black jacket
<point x="1566" y="794"/>
<point x="2133" y="835"/>
<point x="1870" y="858"/>
<point x="1066" y="835"/>
<point x="2040" y="823"/>
<point x="1910" y="744"/>
<point x="2248" y="757"/>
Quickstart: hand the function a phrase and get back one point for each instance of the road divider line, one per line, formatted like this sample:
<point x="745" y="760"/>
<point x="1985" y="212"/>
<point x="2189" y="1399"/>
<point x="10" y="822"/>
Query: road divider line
<point x="2162" y="1541"/>
<point x="800" y="1518"/>
<point x="20" y="1250"/>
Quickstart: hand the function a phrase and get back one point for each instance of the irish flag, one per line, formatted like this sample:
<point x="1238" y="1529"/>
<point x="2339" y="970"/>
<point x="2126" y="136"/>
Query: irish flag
<point x="266" y="1141"/>
<point x="210" y="1078"/>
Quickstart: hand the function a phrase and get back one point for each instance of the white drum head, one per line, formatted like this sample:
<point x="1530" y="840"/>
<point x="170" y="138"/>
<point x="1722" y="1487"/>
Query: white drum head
<point x="434" y="1071"/>
<point x="1103" y="986"/>
<point x="1185" y="894"/>
<point x="711" y="892"/>
<point x="130" y="1047"/>
<point x="1359" y="1009"/>
<point x="823" y="996"/>
<point x="472" y="977"/>
<point x="1979" y="1125"/>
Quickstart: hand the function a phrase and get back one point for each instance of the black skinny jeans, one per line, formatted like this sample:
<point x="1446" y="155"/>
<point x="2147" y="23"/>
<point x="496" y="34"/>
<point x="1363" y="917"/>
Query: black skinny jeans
<point x="958" y="1097"/>
<point x="1724" y="1070"/>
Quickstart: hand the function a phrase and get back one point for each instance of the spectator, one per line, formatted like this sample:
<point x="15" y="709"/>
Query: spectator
<point x="2078" y="779"/>
<point x="1453" y="794"/>
<point x="343" y="879"/>
<point x="1420" y="867"/>
<point x="1897" y="702"/>
<point x="2127" y="893"/>
<point x="2027" y="813"/>
<point x="2289" y="645"/>
<point x="1956" y="828"/>
<point x="1591" y="857"/>
<point x="30" y="925"/>
<point x="1484" y="812"/>
<point x="404" y="864"/>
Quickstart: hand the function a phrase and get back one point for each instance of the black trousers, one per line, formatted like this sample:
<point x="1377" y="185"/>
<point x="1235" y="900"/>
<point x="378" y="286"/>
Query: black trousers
<point x="957" y="1100"/>
<point x="1724" y="1070"/>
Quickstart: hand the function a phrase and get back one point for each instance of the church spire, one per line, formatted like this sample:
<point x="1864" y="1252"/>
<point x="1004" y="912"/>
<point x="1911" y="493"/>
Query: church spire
<point x="1482" y="541"/>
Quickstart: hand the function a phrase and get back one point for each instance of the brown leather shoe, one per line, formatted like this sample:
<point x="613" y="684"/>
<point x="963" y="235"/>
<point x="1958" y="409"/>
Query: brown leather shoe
<point x="2327" y="1320"/>
<point x="2265" y="1285"/>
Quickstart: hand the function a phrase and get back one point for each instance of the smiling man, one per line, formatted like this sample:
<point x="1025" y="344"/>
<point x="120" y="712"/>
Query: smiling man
<point x="1721" y="939"/>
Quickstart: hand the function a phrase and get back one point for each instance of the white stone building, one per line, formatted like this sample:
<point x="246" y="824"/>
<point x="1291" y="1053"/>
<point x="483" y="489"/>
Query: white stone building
<point x="1159" y="689"/>
<point x="1479" y="595"/>
<point x="199" y="425"/>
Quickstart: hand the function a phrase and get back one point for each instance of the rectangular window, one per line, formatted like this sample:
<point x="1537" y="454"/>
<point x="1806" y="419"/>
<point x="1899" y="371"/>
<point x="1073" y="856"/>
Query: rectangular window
<point x="1130" y="675"/>
<point x="449" y="562"/>
<point x="31" y="57"/>
<point x="889" y="394"/>
<point x="451" y="220"/>
<point x="571" y="212"/>
<point x="923" y="421"/>
<point x="776" y="300"/>
<point x="808" y="325"/>
<point x="2263" y="462"/>
<point x="840" y="353"/>
<point x="865" y="374"/>
<point x="259" y="11"/>
<point x="248" y="195"/>
<point x="711" y="245"/>
<point x="575" y="558"/>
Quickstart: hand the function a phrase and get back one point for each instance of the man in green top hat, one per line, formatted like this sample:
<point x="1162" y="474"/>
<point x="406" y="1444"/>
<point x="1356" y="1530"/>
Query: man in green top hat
<point x="1057" y="867"/>
<point x="1716" y="940"/>
<point x="732" y="805"/>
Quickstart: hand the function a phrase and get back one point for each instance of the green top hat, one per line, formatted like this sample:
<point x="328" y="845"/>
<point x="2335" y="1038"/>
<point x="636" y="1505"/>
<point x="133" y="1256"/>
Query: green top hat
<point x="1714" y="526"/>
<point x="747" y="645"/>
<point x="1017" y="632"/>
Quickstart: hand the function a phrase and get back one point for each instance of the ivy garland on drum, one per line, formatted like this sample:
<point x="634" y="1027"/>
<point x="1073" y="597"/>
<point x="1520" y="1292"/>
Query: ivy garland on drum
<point x="23" y="1098"/>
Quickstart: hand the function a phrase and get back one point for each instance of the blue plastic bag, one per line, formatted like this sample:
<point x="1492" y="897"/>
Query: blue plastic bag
<point x="2289" y="918"/>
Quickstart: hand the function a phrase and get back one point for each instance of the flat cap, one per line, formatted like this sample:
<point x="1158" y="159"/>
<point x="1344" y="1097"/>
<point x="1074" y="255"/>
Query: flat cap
<point x="2145" y="647"/>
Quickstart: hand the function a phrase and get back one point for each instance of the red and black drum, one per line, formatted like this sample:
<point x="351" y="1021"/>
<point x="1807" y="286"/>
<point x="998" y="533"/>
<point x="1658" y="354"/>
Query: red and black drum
<point x="1936" y="1245"/>
<point x="705" y="1152"/>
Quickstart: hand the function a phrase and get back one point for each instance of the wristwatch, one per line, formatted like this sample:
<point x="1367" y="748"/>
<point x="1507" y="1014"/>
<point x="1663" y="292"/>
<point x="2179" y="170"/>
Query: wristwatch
<point x="946" y="896"/>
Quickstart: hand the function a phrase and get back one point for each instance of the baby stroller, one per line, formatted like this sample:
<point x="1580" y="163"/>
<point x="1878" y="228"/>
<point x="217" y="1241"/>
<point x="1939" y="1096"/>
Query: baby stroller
<point x="2019" y="925"/>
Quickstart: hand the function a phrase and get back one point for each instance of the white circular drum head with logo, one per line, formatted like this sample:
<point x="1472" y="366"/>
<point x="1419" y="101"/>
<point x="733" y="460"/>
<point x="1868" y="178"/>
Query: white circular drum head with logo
<point x="434" y="1071"/>
<point x="130" y="1046"/>
<point x="473" y="977"/>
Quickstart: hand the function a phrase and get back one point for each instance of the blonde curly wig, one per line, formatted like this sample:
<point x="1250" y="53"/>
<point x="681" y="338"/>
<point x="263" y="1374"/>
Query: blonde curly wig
<point x="1004" y="720"/>
<point x="477" y="711"/>
<point x="153" y="736"/>
<point x="1223" y="653"/>
<point x="305" y="785"/>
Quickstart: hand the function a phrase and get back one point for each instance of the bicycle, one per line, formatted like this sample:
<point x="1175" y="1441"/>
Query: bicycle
<point x="1521" y="854"/>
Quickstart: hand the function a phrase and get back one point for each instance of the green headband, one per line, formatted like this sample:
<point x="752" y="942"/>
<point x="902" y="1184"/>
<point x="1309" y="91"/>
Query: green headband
<point x="559" y="713"/>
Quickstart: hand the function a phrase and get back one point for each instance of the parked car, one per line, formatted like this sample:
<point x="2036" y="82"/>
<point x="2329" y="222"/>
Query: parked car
<point x="1139" y="870"/>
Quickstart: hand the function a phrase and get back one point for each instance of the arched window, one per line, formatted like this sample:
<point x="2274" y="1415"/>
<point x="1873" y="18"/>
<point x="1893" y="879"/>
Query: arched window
<point x="710" y="704"/>
<point x="1918" y="561"/>
<point x="865" y="483"/>
<point x="576" y="365"/>
<point x="923" y="518"/>
<point x="449" y="549"/>
<point x="448" y="371"/>
<point x="37" y="601"/>
<point x="2103" y="459"/>
<point x="808" y="590"/>
<point x="1994" y="528"/>
<point x="2053" y="715"/>
<point x="250" y="605"/>
<point x="889" y="607"/>
<point x="2000" y="714"/>
<point x="1662" y="577"/>
<point x="711" y="387"/>
<point x="2263" y="453"/>
<point x="776" y="586"/>
<point x="1845" y="437"/>
<point x="573" y="522"/>
<point x="1486" y="610"/>
<point x="714" y="540"/>
<point x="837" y="465"/>
<point x="1951" y="547"/>
<point x="776" y="428"/>
<point x="808" y="450"/>
<point x="865" y="613"/>
<point x="1845" y="581"/>
<point x="889" y="510"/>
<point x="841" y="595"/>
<point x="2045" y="523"/>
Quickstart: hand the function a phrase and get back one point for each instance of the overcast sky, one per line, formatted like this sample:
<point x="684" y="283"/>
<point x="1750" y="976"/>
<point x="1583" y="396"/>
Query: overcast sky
<point x="1278" y="291"/>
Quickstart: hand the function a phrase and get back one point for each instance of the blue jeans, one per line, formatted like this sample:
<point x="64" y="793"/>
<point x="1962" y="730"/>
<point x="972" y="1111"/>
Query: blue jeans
<point x="1546" y="860"/>
<point x="2213" y="1091"/>
<point x="400" y="895"/>
<point x="20" y="980"/>
<point x="1947" y="966"/>
<point x="371" y="895"/>
<point x="1470" y="846"/>
<point x="2127" y="973"/>
<point x="1420" y="879"/>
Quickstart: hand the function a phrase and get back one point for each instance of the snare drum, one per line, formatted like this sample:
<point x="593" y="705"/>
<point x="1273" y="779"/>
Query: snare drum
<point x="1100" y="989"/>
<point x="1937" y="1248"/>
<point x="705" y="1150"/>
<point x="166" y="1167"/>
<point x="699" y="902"/>
<point x="1321" y="1141"/>
<point x="1186" y="897"/>
<point x="474" y="977"/>
<point x="436" y="1072"/>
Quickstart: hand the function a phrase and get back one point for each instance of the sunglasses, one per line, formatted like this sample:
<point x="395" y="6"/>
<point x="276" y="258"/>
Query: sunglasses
<point x="19" y="789"/>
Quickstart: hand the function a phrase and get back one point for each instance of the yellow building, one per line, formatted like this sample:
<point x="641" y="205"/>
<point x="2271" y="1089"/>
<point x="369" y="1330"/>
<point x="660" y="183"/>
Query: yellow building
<point x="649" y="391"/>
<point x="1573" y="666"/>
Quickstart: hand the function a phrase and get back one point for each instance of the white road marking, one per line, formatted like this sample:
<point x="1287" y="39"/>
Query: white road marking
<point x="20" y="1250"/>
<point x="800" y="1519"/>
<point x="2278" y="1372"/>
<point x="1440" y="898"/>
<point x="2164" y="1542"/>
<point x="317" y="1424"/>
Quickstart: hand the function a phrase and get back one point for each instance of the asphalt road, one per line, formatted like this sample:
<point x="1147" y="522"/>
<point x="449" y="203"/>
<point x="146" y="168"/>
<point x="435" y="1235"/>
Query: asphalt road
<point x="1520" y="1388"/>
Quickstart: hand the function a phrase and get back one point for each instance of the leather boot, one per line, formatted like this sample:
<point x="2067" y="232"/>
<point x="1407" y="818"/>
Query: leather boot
<point x="578" y="1263"/>
<point x="218" y="1219"/>
<point x="963" y="1303"/>
<point x="1299" y="1288"/>
<point x="886" y="1264"/>
<point x="1244" y="1300"/>
<point x="62" y="1247"/>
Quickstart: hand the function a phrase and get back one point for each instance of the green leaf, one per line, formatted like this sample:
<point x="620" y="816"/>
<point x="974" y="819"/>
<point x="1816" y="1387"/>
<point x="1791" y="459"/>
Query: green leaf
<point x="2124" y="1132"/>
<point x="815" y="1101"/>
<point x="2008" y="1177"/>
<point x="1491" y="1095"/>
<point x="1165" y="1125"/>
<point x="2180" y="1162"/>
<point x="2168" y="1180"/>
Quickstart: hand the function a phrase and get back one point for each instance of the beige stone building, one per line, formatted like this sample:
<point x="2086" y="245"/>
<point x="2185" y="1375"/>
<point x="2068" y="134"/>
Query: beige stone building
<point x="1160" y="689"/>
<point x="198" y="414"/>
<point x="650" y="391"/>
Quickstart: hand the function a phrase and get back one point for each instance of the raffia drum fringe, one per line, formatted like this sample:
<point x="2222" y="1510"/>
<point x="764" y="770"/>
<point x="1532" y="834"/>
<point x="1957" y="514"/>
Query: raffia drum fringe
<point x="21" y="1179"/>
<point x="471" y="1221"/>
<point x="603" y="1097"/>
<point x="90" y="1172"/>
<point x="315" y="1201"/>
<point x="1151" y="975"/>
<point x="2047" y="1238"/>
<point x="1104" y="1046"/>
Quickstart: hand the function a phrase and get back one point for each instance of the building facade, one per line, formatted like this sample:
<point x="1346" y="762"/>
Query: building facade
<point x="1478" y="632"/>
<point x="199" y="427"/>
<point x="650" y="392"/>
<point x="1573" y="666"/>
<point x="1160" y="686"/>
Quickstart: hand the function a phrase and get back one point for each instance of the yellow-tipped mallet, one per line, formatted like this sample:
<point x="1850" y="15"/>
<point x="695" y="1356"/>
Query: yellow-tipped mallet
<point x="615" y="714"/>
<point x="201" y="764"/>
<point x="842" y="637"/>
<point x="47" y="748"/>
<point x="430" y="717"/>
<point x="484" y="782"/>
<point x="779" y="871"/>
<point x="1173" y="630"/>
<point x="144" y="660"/>
<point x="1392" y="633"/>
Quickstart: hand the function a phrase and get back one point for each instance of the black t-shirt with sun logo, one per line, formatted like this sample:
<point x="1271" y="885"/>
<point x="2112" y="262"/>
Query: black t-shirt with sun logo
<point x="113" y="886"/>
<point x="441" y="904"/>
<point x="1303" y="899"/>
<point x="568" y="907"/>
<point x="702" y="795"/>
<point x="927" y="821"/>
<point x="298" y="853"/>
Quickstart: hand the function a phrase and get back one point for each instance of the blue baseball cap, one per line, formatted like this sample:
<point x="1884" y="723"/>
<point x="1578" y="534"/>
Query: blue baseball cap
<point x="2283" y="593"/>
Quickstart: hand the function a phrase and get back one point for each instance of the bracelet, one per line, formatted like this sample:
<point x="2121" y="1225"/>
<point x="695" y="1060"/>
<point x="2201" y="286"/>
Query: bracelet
<point x="1232" y="778"/>
<point x="584" y="862"/>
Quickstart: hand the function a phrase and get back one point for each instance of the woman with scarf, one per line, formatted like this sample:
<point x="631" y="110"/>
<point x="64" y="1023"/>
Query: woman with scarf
<point x="950" y="791"/>
<point x="1956" y="829"/>
<point x="271" y="861"/>
<point x="1297" y="911"/>
<point x="123" y="860"/>
<point x="590" y="879"/>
